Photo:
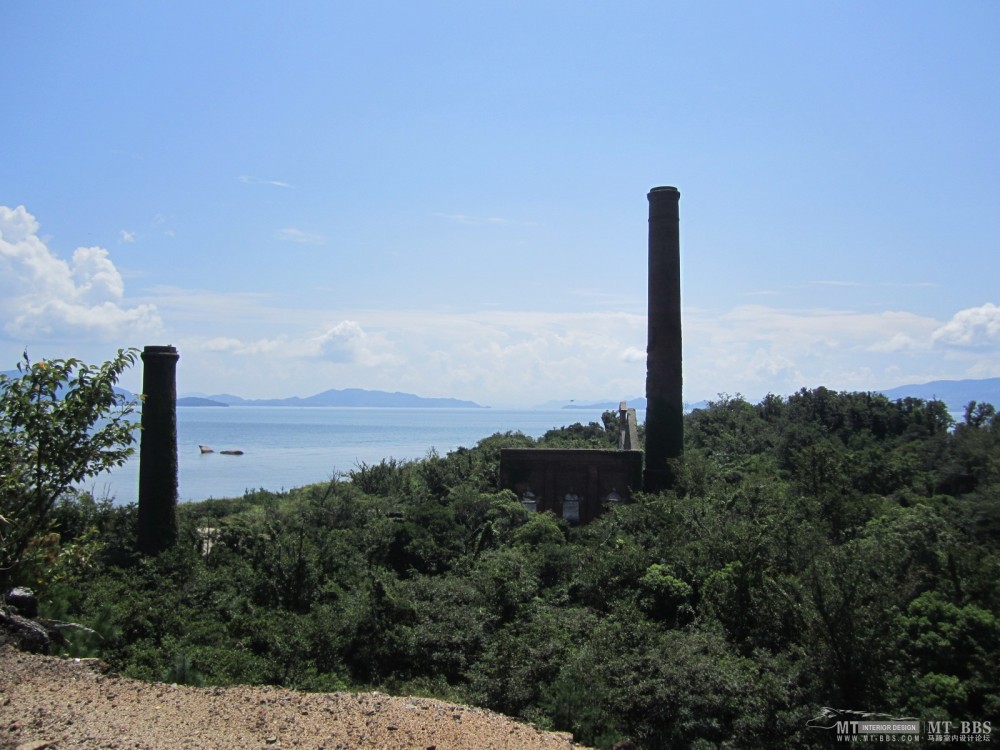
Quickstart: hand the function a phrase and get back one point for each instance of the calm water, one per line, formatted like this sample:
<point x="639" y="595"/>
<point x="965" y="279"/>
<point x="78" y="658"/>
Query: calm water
<point x="287" y="447"/>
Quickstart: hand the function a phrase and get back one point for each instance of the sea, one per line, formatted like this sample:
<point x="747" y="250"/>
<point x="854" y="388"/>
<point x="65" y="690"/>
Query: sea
<point x="288" y="447"/>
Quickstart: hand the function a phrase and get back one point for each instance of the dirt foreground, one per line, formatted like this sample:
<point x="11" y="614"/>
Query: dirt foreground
<point x="60" y="704"/>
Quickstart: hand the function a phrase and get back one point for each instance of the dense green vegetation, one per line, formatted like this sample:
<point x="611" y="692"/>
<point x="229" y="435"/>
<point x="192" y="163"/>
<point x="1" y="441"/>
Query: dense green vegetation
<point x="61" y="421"/>
<point x="828" y="549"/>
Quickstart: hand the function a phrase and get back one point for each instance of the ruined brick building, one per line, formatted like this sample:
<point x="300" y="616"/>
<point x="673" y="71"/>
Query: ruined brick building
<point x="579" y="484"/>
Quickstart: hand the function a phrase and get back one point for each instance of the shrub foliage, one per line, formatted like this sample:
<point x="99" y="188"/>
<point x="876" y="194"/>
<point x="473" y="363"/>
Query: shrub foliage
<point x="61" y="421"/>
<point x="828" y="549"/>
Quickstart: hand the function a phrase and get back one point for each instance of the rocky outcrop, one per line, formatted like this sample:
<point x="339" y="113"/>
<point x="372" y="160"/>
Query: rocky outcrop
<point x="23" y="600"/>
<point x="17" y="627"/>
<point x="22" y="628"/>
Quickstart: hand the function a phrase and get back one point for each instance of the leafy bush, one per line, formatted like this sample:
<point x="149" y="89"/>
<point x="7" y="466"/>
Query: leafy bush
<point x="823" y="550"/>
<point x="61" y="421"/>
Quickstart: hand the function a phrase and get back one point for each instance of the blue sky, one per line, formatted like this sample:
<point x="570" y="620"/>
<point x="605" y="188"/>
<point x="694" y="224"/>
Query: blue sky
<point x="449" y="198"/>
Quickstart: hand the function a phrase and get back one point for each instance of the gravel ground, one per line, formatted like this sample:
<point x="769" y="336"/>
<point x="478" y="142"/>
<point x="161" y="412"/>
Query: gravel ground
<point x="60" y="704"/>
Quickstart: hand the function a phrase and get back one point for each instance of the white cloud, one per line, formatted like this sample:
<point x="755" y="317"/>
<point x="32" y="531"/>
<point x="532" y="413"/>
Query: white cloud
<point x="220" y="344"/>
<point x="291" y="234"/>
<point x="495" y="358"/>
<point x="42" y="295"/>
<point x="897" y="342"/>
<point x="756" y="349"/>
<point x="251" y="180"/>
<point x="236" y="346"/>
<point x="521" y="357"/>
<point x="253" y="345"/>
<point x="973" y="328"/>
<point x="869" y="283"/>
<point x="17" y="225"/>
<point x="766" y="365"/>
<point x="347" y="342"/>
<point x="126" y="236"/>
<point x="95" y="276"/>
<point x="910" y="284"/>
<point x="340" y="343"/>
<point x="835" y="282"/>
<point x="634" y="355"/>
<point x="344" y="343"/>
<point x="504" y="358"/>
<point x="474" y="221"/>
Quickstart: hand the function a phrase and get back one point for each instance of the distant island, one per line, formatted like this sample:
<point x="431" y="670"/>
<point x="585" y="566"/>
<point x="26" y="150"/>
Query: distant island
<point x="956" y="394"/>
<point x="198" y="401"/>
<point x="633" y="403"/>
<point x="334" y="397"/>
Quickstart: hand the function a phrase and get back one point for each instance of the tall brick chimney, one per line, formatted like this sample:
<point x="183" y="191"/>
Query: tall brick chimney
<point x="664" y="382"/>
<point x="158" y="451"/>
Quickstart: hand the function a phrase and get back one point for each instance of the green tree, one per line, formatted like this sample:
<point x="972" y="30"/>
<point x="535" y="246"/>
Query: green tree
<point x="950" y="651"/>
<point x="731" y="429"/>
<point x="61" y="421"/>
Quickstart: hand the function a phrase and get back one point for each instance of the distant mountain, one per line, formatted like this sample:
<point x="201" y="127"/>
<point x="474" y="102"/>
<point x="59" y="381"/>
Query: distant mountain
<point x="955" y="393"/>
<point x="633" y="403"/>
<point x="696" y="405"/>
<point x="639" y="402"/>
<point x="129" y="396"/>
<point x="332" y="397"/>
<point x="220" y="398"/>
<point x="353" y="397"/>
<point x="198" y="401"/>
